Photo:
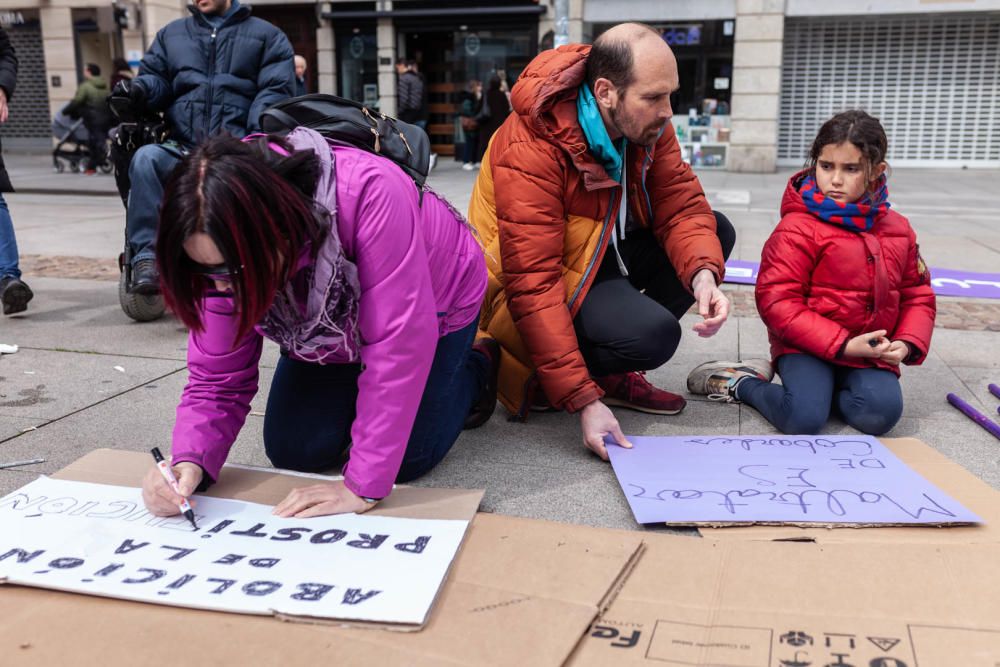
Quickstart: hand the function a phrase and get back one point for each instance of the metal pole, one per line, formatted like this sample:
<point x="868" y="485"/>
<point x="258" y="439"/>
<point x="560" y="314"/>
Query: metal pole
<point x="561" y="37"/>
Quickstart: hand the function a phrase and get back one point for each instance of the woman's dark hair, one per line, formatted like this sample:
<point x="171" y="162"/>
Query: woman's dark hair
<point x="120" y="65"/>
<point x="859" y="129"/>
<point x="254" y="200"/>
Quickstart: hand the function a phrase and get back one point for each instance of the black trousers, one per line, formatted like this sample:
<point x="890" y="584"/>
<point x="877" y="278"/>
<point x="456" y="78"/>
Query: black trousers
<point x="631" y="323"/>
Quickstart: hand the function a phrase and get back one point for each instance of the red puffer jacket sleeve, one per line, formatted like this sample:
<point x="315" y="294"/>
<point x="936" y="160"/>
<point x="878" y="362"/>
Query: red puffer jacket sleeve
<point x="531" y="219"/>
<point x="682" y="219"/>
<point x="786" y="265"/>
<point x="917" y="305"/>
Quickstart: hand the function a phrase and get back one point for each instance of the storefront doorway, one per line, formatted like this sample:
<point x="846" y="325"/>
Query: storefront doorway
<point x="450" y="58"/>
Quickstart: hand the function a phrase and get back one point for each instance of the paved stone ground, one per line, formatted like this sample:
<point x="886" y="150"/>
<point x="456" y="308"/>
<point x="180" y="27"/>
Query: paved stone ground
<point x="88" y="377"/>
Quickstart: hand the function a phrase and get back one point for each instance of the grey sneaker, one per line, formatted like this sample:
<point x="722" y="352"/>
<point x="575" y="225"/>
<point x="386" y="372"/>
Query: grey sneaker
<point x="716" y="379"/>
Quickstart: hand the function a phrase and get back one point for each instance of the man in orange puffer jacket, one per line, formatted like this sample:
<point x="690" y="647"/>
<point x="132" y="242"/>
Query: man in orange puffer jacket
<point x="586" y="291"/>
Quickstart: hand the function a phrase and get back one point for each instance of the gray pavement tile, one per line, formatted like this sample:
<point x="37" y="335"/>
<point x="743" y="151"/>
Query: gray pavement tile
<point x="10" y="427"/>
<point x="89" y="227"/>
<point x="925" y="388"/>
<point x="979" y="349"/>
<point x="11" y="480"/>
<point x="753" y="339"/>
<point x="964" y="442"/>
<point x="975" y="391"/>
<point x="41" y="384"/>
<point x="84" y="316"/>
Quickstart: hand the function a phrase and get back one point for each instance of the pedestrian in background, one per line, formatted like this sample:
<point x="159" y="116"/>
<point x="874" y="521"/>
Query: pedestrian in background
<point x="14" y="293"/>
<point x="91" y="104"/>
<point x="300" y="75"/>
<point x="496" y="108"/>
<point x="472" y="104"/>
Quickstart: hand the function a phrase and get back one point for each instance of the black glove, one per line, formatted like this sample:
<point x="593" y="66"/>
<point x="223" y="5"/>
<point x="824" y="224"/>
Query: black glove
<point x="132" y="91"/>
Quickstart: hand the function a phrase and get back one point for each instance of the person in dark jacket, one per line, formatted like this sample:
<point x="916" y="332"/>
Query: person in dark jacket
<point x="495" y="109"/>
<point x="212" y="72"/>
<point x="300" y="75"/>
<point x="14" y="293"/>
<point x="122" y="71"/>
<point x="410" y="93"/>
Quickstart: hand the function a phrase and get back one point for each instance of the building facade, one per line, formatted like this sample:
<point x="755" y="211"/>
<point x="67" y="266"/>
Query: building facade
<point x="758" y="77"/>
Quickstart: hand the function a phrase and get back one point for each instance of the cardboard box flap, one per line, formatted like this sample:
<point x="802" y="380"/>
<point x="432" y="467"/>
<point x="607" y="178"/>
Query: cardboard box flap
<point x="760" y="603"/>
<point x="519" y="592"/>
<point x="109" y="466"/>
<point x="941" y="471"/>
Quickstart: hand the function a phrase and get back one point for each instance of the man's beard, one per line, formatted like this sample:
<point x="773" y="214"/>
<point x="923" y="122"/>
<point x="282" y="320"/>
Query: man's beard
<point x="625" y="125"/>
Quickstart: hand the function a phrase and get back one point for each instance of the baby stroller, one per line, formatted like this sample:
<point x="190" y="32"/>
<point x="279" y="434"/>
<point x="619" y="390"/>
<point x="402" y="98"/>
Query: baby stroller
<point x="71" y="147"/>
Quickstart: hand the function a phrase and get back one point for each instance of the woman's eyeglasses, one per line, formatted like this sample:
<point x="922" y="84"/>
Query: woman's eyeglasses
<point x="218" y="272"/>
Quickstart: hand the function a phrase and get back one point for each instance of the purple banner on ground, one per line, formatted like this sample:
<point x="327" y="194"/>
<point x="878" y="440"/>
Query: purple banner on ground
<point x="946" y="282"/>
<point x="794" y="479"/>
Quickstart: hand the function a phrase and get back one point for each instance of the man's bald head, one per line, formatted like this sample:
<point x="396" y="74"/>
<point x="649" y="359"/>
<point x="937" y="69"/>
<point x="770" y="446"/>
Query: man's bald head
<point x="615" y="52"/>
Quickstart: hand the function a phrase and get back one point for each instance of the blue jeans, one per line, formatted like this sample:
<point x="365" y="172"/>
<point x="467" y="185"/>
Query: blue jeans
<point x="310" y="410"/>
<point x="869" y="399"/>
<point x="8" y="244"/>
<point x="149" y="170"/>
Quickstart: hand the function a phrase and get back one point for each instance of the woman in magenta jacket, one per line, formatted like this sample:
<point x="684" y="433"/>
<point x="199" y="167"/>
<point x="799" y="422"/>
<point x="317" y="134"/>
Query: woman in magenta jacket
<point x="843" y="291"/>
<point x="371" y="291"/>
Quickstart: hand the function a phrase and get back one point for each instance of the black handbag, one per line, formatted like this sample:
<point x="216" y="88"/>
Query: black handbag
<point x="354" y="124"/>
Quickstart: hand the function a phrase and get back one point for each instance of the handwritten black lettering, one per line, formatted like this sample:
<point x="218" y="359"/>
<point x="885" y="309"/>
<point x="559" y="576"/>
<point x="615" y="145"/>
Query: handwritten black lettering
<point x="109" y="569"/>
<point x="124" y="505"/>
<point x="289" y="534"/>
<point x="223" y="585"/>
<point x="182" y="581"/>
<point x="368" y="541"/>
<point x="129" y="546"/>
<point x="57" y="505"/>
<point x="814" y="445"/>
<point x="355" y="596"/>
<point x="229" y="559"/>
<point x="181" y="552"/>
<point x="222" y="525"/>
<point x="261" y="588"/>
<point x="251" y="532"/>
<point x="328" y="536"/>
<point x="152" y="576"/>
<point x="264" y="562"/>
<point x="311" y="592"/>
<point x="417" y="546"/>
<point x="22" y="555"/>
<point x="66" y="563"/>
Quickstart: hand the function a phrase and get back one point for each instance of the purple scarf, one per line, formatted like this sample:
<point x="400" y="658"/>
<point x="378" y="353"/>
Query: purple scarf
<point x="856" y="216"/>
<point x="323" y="329"/>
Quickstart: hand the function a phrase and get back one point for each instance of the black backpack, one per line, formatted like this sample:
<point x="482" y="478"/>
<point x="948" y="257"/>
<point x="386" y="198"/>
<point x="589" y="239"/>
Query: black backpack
<point x="352" y="123"/>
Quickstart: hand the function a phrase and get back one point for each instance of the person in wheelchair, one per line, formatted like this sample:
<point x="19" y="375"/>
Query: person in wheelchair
<point x="210" y="73"/>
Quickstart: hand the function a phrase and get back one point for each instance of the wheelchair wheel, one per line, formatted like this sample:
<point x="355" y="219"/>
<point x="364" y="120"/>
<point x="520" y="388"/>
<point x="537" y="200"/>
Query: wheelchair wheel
<point x="139" y="307"/>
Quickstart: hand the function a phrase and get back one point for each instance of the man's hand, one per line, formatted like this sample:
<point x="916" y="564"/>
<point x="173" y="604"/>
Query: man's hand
<point x="160" y="499"/>
<point x="871" y="345"/>
<point x="896" y="353"/>
<point x="320" y="500"/>
<point x="3" y="106"/>
<point x="597" y="421"/>
<point x="713" y="306"/>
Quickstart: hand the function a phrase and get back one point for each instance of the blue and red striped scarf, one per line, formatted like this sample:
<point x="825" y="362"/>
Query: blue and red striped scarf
<point x="858" y="216"/>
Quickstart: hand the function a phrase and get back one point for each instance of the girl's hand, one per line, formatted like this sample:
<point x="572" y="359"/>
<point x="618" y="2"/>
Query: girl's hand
<point x="320" y="500"/>
<point x="897" y="352"/>
<point x="871" y="345"/>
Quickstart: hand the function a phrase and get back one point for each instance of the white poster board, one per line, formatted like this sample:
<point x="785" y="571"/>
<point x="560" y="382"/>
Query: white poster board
<point x="100" y="540"/>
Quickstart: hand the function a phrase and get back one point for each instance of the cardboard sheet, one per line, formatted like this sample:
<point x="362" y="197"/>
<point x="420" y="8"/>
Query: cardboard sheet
<point x="521" y="592"/>
<point x="945" y="474"/>
<point x="793" y="479"/>
<point x="758" y="604"/>
<point x="98" y="539"/>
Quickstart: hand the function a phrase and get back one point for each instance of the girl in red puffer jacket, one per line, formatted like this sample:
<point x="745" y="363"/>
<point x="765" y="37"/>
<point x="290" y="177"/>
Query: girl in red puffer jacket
<point x="843" y="291"/>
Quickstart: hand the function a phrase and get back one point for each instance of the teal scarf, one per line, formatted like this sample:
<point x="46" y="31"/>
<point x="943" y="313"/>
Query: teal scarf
<point x="598" y="141"/>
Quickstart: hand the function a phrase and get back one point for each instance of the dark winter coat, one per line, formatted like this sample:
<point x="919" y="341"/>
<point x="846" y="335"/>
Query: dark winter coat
<point x="212" y="80"/>
<point x="411" y="96"/>
<point x="821" y="284"/>
<point x="8" y="80"/>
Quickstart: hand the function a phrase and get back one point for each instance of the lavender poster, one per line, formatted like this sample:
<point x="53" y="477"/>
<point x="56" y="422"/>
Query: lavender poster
<point x="796" y="479"/>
